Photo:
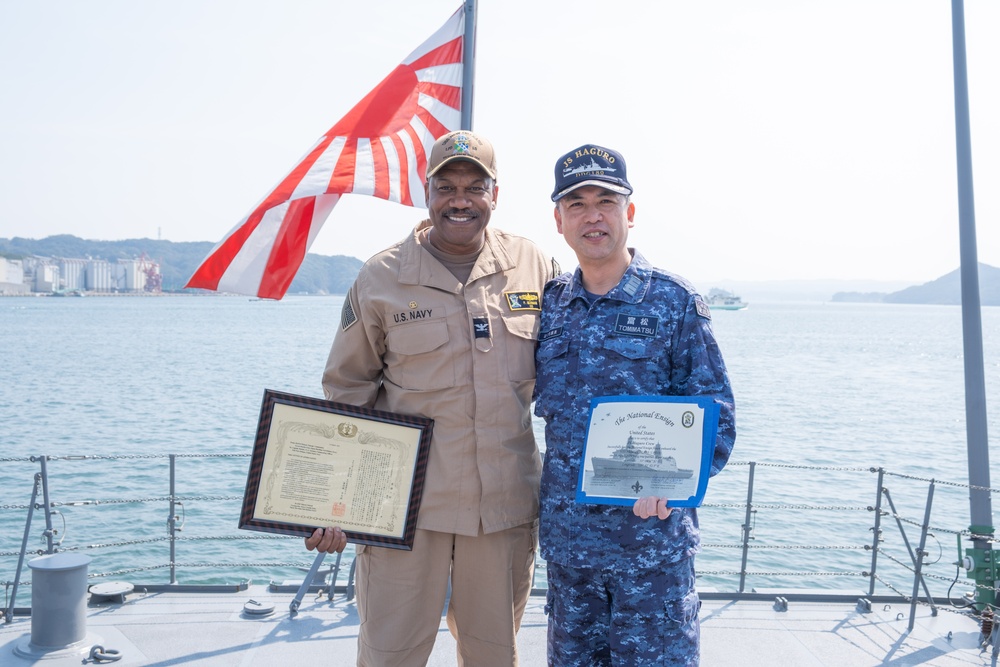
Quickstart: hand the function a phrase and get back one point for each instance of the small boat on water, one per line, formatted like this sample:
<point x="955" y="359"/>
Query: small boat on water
<point x="720" y="299"/>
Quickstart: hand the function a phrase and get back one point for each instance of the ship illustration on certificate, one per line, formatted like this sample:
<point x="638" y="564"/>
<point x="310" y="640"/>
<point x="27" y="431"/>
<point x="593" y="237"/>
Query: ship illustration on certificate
<point x="630" y="460"/>
<point x="639" y="446"/>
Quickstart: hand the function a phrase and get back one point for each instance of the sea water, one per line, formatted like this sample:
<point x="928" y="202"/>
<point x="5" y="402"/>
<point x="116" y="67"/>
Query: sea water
<point x="827" y="396"/>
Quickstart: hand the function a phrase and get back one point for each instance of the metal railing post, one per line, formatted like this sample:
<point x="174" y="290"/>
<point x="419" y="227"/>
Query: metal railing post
<point x="877" y="530"/>
<point x="9" y="615"/>
<point x="50" y="546"/>
<point x="746" y="528"/>
<point x="919" y="560"/>
<point x="172" y="520"/>
<point x="915" y="557"/>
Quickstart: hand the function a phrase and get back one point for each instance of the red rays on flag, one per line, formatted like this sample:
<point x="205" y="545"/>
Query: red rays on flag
<point x="379" y="149"/>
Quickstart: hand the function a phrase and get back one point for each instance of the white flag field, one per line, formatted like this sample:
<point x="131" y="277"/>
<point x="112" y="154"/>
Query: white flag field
<point x="379" y="149"/>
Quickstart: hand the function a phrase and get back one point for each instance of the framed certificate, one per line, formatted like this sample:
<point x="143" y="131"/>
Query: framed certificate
<point x="639" y="446"/>
<point x="318" y="463"/>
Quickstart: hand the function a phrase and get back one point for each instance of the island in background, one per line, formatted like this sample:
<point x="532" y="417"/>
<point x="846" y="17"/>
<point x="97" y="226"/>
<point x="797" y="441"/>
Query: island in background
<point x="945" y="291"/>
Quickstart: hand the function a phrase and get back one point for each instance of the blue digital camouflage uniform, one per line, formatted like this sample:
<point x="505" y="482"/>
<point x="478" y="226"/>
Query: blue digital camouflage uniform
<point x="643" y="566"/>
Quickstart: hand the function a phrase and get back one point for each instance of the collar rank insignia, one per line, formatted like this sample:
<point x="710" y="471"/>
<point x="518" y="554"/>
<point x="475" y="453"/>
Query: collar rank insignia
<point x="481" y="327"/>
<point x="523" y="300"/>
<point x="632" y="285"/>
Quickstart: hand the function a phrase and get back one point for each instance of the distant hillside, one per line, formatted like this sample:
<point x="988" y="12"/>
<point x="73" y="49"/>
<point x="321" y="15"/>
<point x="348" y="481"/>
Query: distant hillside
<point x="798" y="291"/>
<point x="319" y="274"/>
<point x="946" y="291"/>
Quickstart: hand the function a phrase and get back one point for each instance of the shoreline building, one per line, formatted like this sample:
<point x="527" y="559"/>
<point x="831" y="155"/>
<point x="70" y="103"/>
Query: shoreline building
<point x="54" y="275"/>
<point x="12" y="277"/>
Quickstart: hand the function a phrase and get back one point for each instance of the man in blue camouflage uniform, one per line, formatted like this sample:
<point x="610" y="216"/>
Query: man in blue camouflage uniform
<point x="621" y="581"/>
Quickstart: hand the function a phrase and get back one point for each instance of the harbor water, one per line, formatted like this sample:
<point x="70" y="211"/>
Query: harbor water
<point x="827" y="395"/>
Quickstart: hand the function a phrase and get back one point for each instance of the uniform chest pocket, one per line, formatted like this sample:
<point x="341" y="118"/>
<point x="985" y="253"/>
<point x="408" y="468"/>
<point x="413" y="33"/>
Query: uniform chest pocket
<point x="631" y="347"/>
<point x="643" y="362"/>
<point x="418" y="356"/>
<point x="551" y="349"/>
<point x="522" y="331"/>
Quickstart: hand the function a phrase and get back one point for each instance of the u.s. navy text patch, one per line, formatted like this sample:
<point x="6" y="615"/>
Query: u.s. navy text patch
<point x="636" y="325"/>
<point x="523" y="300"/>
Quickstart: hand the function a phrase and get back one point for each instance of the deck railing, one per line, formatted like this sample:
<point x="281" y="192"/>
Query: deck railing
<point x="84" y="506"/>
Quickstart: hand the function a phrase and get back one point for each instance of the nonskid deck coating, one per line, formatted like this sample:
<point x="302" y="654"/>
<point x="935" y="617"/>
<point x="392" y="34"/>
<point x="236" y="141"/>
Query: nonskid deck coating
<point x="211" y="629"/>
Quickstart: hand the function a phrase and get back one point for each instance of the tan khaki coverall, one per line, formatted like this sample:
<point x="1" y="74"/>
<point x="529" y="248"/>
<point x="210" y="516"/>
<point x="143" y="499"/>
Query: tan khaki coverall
<point x="414" y="340"/>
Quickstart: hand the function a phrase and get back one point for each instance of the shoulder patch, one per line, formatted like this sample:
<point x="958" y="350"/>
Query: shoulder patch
<point x="347" y="316"/>
<point x="702" y="308"/>
<point x="527" y="300"/>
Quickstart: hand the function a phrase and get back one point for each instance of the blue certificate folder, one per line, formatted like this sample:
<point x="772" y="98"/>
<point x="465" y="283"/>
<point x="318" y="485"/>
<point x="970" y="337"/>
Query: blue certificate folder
<point x="638" y="446"/>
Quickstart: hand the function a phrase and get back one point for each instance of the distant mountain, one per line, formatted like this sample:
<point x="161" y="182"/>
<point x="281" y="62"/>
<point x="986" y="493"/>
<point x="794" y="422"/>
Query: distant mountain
<point x="798" y="291"/>
<point x="946" y="291"/>
<point x="319" y="274"/>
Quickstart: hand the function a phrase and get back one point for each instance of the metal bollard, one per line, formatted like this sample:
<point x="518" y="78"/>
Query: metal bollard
<point x="58" y="605"/>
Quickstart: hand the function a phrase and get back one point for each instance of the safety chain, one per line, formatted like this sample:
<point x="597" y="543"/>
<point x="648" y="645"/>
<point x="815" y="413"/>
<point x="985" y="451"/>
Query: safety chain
<point x="152" y="540"/>
<point x="123" y="501"/>
<point x="931" y="529"/>
<point x="988" y="588"/>
<point x="297" y="565"/>
<point x="909" y="599"/>
<point x="129" y="457"/>
<point x="780" y="506"/>
<point x="892" y="588"/>
<point x="871" y="469"/>
<point x="107" y="501"/>
<point x="118" y="573"/>
<point x="785" y="574"/>
<point x="216" y="538"/>
<point x="786" y="546"/>
<point x="36" y="552"/>
<point x="940" y="482"/>
<point x="909" y="567"/>
<point x="126" y="543"/>
<point x="131" y="570"/>
<point x="799" y="467"/>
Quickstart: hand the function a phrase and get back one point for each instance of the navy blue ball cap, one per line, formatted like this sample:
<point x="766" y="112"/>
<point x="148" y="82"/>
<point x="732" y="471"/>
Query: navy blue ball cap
<point x="591" y="165"/>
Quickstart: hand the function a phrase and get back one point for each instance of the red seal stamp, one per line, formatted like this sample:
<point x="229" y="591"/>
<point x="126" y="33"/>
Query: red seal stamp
<point x="338" y="509"/>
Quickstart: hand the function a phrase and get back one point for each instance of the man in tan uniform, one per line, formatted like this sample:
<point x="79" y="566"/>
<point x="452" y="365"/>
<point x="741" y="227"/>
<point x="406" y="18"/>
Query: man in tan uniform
<point x="443" y="324"/>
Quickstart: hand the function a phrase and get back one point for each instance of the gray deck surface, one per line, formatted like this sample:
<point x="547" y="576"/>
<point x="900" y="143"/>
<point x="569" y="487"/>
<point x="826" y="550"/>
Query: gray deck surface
<point x="198" y="629"/>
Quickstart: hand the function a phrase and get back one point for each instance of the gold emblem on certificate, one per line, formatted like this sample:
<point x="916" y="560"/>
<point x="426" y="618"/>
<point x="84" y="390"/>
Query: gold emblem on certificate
<point x="639" y="446"/>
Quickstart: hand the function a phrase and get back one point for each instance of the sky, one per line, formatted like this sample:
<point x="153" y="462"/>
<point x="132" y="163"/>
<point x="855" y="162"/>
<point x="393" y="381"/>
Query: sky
<point x="765" y="140"/>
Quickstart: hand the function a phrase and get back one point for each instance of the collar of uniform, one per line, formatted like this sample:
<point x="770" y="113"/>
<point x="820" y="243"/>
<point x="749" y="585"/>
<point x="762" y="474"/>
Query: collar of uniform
<point x="630" y="289"/>
<point x="417" y="266"/>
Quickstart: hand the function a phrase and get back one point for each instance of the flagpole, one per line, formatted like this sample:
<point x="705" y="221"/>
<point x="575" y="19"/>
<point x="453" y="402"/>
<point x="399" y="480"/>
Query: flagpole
<point x="979" y="560"/>
<point x="468" y="63"/>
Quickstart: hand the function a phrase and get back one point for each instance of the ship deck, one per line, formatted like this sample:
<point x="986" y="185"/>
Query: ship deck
<point x="213" y="627"/>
